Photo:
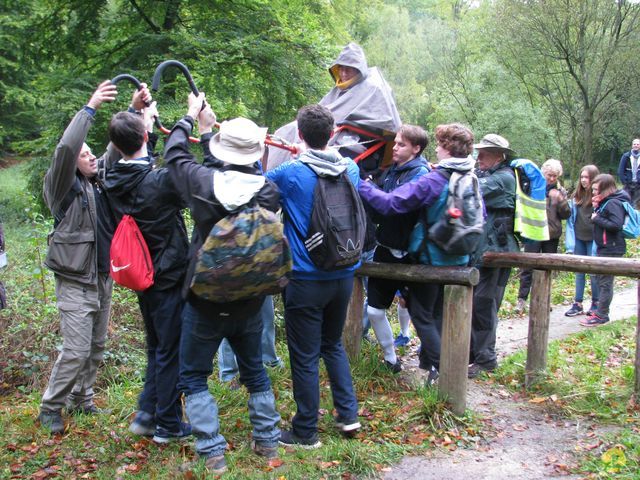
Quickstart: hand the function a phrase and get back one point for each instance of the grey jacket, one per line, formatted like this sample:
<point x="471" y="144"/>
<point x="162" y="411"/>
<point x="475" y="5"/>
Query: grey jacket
<point x="72" y="252"/>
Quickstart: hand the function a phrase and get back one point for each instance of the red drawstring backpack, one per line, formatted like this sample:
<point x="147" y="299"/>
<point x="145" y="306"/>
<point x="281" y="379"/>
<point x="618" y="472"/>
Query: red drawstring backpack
<point x="131" y="264"/>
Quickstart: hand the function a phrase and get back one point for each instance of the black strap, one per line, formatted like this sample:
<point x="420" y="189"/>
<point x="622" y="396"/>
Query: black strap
<point x="75" y="190"/>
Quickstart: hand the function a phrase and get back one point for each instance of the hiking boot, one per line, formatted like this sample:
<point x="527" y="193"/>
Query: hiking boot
<point x="264" y="450"/>
<point x="593" y="310"/>
<point x="401" y="340"/>
<point x="143" y="424"/>
<point x="521" y="306"/>
<point x="290" y="439"/>
<point x="593" y="321"/>
<point x="162" y="435"/>
<point x="394" y="367"/>
<point x="476" y="369"/>
<point x="432" y="377"/>
<point x="216" y="464"/>
<point x="51" y="420"/>
<point x="576" y="309"/>
<point x="347" y="425"/>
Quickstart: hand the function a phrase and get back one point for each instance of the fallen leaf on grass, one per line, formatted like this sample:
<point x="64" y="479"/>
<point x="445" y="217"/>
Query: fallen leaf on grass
<point x="614" y="457"/>
<point x="330" y="464"/>
<point x="275" y="462"/>
<point x="538" y="400"/>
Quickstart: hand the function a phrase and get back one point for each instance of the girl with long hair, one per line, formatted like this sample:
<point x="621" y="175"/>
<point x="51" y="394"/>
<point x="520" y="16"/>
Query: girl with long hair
<point x="579" y="237"/>
<point x="607" y="218"/>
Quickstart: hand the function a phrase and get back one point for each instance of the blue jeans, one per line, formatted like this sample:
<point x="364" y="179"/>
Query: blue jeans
<point x="315" y="312"/>
<point x="227" y="365"/>
<point x="162" y="314"/>
<point x="202" y="331"/>
<point x="585" y="248"/>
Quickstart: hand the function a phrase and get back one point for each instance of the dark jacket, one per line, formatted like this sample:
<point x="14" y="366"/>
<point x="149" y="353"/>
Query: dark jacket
<point x="73" y="252"/>
<point x="557" y="211"/>
<point x="607" y="225"/>
<point x="151" y="198"/>
<point x="195" y="185"/>
<point x="498" y="188"/>
<point x="393" y="231"/>
<point x="624" y="169"/>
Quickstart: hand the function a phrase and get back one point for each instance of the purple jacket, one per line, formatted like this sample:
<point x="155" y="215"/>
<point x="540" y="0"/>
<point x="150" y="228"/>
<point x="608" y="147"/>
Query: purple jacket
<point x="406" y="198"/>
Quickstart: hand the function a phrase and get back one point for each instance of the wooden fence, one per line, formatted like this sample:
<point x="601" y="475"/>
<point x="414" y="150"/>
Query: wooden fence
<point x="458" y="297"/>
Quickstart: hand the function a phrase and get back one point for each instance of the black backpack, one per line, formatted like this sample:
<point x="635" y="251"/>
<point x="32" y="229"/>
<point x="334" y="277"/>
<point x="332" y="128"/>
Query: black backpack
<point x="335" y="237"/>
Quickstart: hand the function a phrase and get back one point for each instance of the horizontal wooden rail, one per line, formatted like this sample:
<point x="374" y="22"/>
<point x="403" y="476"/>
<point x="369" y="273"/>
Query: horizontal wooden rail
<point x="624" y="267"/>
<point x="466" y="276"/>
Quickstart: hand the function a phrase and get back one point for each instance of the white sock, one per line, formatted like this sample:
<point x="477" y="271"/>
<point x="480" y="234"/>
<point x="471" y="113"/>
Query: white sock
<point x="384" y="334"/>
<point x="405" y="321"/>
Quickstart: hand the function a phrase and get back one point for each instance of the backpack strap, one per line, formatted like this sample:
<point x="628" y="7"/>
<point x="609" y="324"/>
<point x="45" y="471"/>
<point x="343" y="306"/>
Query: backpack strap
<point x="75" y="190"/>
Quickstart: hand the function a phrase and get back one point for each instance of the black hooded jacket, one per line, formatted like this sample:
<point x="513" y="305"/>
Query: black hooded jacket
<point x="607" y="225"/>
<point x="150" y="197"/>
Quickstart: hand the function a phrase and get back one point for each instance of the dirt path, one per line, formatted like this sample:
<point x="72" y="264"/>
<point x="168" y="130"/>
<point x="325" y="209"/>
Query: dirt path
<point x="524" y="442"/>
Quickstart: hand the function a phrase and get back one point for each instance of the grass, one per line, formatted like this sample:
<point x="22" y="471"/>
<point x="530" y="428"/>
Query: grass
<point x="590" y="376"/>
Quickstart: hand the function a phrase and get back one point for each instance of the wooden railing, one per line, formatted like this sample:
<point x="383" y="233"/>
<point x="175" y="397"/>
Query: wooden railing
<point x="456" y="322"/>
<point x="543" y="265"/>
<point x="458" y="297"/>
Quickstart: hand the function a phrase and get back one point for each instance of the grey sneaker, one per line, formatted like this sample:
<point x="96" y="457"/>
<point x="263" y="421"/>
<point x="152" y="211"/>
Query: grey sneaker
<point x="576" y="309"/>
<point x="476" y="369"/>
<point x="143" y="424"/>
<point x="264" y="450"/>
<point x="51" y="420"/>
<point x="216" y="464"/>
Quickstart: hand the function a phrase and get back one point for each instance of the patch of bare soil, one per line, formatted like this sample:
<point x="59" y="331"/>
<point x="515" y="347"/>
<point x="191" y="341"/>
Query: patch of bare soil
<point x="524" y="442"/>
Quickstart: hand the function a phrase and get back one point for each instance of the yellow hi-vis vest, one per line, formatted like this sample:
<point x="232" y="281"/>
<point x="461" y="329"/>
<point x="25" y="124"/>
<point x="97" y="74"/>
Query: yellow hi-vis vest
<point x="531" y="215"/>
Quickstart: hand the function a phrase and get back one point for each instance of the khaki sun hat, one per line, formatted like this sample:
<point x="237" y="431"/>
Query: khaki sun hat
<point x="494" y="142"/>
<point x="239" y="142"/>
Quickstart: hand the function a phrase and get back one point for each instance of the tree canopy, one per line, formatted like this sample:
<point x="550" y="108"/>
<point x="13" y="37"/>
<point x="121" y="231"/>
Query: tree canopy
<point x="555" y="77"/>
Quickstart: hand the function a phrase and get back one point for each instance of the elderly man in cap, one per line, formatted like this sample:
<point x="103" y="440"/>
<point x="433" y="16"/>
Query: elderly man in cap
<point x="498" y="187"/>
<point x="212" y="193"/>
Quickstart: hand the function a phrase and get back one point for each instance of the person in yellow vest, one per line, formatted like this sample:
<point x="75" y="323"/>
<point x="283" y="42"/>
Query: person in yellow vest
<point x="558" y="209"/>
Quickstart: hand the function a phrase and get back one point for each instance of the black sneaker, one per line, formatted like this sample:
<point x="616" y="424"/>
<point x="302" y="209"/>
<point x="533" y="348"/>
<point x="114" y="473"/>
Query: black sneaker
<point x="143" y="424"/>
<point x="394" y="367"/>
<point x="162" y="435"/>
<point x="347" y="425"/>
<point x="289" y="439"/>
<point x="267" y="451"/>
<point x="476" y="369"/>
<point x="432" y="377"/>
<point x="593" y="310"/>
<point x="51" y="420"/>
<point x="576" y="309"/>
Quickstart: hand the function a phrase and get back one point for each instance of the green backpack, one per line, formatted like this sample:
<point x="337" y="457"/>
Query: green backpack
<point x="245" y="255"/>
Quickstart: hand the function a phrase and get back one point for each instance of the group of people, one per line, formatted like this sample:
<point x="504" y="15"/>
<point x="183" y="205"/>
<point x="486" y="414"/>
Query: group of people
<point x="594" y="215"/>
<point x="89" y="196"/>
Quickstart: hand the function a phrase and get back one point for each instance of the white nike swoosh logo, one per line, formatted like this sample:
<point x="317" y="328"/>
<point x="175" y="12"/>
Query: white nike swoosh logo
<point x="115" y="268"/>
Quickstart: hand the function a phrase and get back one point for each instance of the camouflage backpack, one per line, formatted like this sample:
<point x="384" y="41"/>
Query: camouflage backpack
<point x="245" y="255"/>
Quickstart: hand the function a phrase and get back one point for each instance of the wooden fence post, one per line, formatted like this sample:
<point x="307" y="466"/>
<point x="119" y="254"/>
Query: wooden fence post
<point x="352" y="333"/>
<point x="454" y="350"/>
<point x="636" y="387"/>
<point x="538" y="326"/>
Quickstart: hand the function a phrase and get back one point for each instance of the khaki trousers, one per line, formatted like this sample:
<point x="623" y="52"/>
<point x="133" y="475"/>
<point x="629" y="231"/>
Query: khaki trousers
<point x="84" y="319"/>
